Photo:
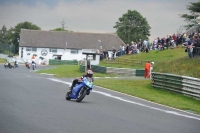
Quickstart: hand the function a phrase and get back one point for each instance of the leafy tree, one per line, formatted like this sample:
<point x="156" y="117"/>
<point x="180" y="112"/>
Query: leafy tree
<point x="59" y="29"/>
<point x="194" y="9"/>
<point x="6" y="38"/>
<point x="16" y="31"/>
<point x="132" y="26"/>
<point x="3" y="35"/>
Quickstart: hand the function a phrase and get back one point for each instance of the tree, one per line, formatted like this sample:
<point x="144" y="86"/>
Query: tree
<point x="6" y="38"/>
<point x="58" y="29"/>
<point x="132" y="26"/>
<point x="194" y="9"/>
<point x="16" y="32"/>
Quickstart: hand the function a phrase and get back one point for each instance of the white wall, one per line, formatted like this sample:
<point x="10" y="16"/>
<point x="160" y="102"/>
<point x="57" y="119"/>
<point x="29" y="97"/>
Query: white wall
<point x="66" y="54"/>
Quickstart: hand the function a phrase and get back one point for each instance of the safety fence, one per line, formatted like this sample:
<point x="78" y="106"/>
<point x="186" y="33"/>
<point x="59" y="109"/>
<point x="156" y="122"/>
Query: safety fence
<point x="182" y="84"/>
<point x="63" y="62"/>
<point x="112" y="70"/>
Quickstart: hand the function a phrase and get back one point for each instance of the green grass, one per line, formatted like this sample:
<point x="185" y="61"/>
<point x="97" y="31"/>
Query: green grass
<point x="183" y="66"/>
<point x="152" y="55"/>
<point x="144" y="90"/>
<point x="2" y="60"/>
<point x="70" y="71"/>
<point x="174" y="61"/>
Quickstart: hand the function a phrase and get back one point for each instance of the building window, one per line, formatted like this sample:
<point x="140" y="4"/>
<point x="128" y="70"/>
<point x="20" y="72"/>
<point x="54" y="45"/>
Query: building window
<point x="31" y="49"/>
<point x="28" y="49"/>
<point x="53" y="50"/>
<point x="34" y="49"/>
<point x="74" y="51"/>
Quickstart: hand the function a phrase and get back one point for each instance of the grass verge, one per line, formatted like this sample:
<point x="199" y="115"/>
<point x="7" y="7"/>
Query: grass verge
<point x="144" y="90"/>
<point x="70" y="71"/>
<point x="2" y="60"/>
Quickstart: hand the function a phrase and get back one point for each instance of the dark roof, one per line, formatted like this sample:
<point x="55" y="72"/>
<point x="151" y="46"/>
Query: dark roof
<point x="75" y="40"/>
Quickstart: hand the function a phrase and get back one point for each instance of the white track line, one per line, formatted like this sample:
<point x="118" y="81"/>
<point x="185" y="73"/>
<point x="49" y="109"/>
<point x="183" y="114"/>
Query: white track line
<point x="132" y="102"/>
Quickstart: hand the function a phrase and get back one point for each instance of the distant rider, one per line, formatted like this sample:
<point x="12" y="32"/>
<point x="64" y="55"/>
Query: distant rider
<point x="16" y="64"/>
<point x="33" y="62"/>
<point x="89" y="74"/>
<point x="6" y="64"/>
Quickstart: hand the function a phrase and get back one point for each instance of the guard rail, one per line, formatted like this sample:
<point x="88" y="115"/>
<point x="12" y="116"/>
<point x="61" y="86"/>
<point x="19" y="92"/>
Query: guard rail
<point x="182" y="84"/>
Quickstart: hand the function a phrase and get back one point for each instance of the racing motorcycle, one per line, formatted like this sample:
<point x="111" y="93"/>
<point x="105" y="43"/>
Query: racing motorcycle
<point x="27" y="65"/>
<point x="33" y="65"/>
<point x="79" y="91"/>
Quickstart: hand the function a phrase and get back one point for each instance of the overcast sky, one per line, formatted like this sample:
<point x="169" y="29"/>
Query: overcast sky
<point x="96" y="16"/>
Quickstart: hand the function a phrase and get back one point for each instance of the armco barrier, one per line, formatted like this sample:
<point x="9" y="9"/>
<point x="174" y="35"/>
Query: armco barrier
<point x="63" y="62"/>
<point x="112" y="70"/>
<point x="82" y="68"/>
<point x="139" y="72"/>
<point x="99" y="69"/>
<point x="182" y="84"/>
<point x="94" y="68"/>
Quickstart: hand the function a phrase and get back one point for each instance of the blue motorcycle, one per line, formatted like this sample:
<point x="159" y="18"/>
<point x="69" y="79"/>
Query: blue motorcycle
<point x="79" y="91"/>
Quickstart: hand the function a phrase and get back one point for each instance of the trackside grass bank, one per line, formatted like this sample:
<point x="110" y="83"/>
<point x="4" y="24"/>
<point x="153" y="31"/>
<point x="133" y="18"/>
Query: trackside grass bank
<point x="2" y="60"/>
<point x="62" y="71"/>
<point x="138" y="88"/>
<point x="173" y="61"/>
<point x="144" y="90"/>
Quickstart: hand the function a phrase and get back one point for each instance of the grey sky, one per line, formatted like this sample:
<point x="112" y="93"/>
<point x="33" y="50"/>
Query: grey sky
<point x="93" y="15"/>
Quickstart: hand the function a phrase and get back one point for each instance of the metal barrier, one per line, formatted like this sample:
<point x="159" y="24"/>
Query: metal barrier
<point x="63" y="62"/>
<point x="182" y="84"/>
<point x="94" y="68"/>
<point x="112" y="70"/>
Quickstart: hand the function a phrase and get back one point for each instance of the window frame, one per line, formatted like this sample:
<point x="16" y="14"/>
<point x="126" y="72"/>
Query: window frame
<point x="53" y="50"/>
<point x="74" y="51"/>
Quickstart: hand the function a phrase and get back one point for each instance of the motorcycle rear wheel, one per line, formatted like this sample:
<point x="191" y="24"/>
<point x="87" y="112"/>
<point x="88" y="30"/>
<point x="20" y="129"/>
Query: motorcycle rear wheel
<point x="81" y="95"/>
<point x="33" y="67"/>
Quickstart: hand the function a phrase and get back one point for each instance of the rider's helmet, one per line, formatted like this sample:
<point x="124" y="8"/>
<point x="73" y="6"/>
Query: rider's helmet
<point x="89" y="73"/>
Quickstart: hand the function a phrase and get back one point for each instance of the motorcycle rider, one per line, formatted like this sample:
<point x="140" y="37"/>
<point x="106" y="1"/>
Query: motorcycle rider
<point x="16" y="64"/>
<point x="88" y="73"/>
<point x="33" y="62"/>
<point x="6" y="64"/>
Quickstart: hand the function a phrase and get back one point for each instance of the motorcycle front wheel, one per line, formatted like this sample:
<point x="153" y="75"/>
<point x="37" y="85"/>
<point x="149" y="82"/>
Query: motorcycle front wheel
<point x="67" y="96"/>
<point x="81" y="95"/>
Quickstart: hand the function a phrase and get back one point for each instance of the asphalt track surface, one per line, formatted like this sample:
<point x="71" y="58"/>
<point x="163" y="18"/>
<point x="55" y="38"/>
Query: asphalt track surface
<point x="35" y="103"/>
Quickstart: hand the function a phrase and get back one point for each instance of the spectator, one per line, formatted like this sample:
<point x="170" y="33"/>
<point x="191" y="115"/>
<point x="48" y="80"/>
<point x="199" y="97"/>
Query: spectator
<point x="147" y="70"/>
<point x="195" y="45"/>
<point x="189" y="48"/>
<point x="127" y="49"/>
<point x="122" y="50"/>
<point x="113" y="53"/>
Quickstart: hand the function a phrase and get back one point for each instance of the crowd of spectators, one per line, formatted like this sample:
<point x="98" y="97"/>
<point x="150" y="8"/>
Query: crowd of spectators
<point x="191" y="42"/>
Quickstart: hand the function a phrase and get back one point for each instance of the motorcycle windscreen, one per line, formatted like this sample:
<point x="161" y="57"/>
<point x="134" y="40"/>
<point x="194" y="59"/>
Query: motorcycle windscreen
<point x="88" y="82"/>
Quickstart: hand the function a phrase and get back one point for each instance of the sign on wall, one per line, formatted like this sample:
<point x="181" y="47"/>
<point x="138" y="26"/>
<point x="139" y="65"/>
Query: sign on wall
<point x="44" y="52"/>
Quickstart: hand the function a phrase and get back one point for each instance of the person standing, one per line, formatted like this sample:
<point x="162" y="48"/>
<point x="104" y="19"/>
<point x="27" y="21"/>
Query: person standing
<point x="147" y="70"/>
<point x="113" y="53"/>
<point x="127" y="49"/>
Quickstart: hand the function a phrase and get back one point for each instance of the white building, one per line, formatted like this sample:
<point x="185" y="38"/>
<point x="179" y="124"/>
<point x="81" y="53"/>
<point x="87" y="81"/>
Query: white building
<point x="64" y="45"/>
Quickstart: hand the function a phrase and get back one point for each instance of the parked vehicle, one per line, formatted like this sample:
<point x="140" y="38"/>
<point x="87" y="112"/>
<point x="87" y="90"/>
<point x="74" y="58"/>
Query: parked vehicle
<point x="79" y="91"/>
